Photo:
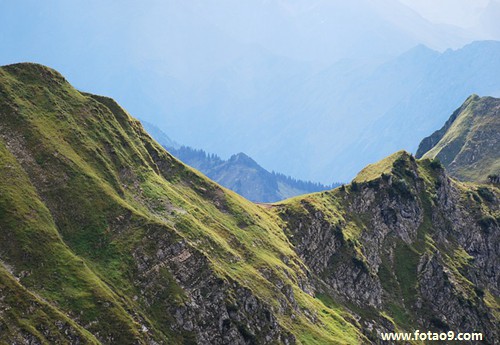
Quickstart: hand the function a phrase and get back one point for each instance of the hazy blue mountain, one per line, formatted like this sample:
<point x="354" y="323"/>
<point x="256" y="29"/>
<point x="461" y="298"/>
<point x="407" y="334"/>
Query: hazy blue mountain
<point x="340" y="119"/>
<point x="159" y="135"/>
<point x="243" y="175"/>
<point x="390" y="111"/>
<point x="325" y="125"/>
<point x="239" y="173"/>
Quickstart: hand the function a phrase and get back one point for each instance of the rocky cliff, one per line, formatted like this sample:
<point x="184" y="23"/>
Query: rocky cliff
<point x="106" y="238"/>
<point x="404" y="246"/>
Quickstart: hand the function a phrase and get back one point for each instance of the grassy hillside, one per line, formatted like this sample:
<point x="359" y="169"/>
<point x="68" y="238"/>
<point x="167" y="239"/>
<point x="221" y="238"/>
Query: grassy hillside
<point x="107" y="238"/>
<point x="103" y="224"/>
<point x="468" y="144"/>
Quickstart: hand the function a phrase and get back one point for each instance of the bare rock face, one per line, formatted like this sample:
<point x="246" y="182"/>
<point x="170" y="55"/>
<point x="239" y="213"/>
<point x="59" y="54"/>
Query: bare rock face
<point x="214" y="310"/>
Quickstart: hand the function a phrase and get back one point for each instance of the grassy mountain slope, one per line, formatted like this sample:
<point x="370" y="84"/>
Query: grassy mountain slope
<point x="107" y="238"/>
<point x="134" y="246"/>
<point x="468" y="144"/>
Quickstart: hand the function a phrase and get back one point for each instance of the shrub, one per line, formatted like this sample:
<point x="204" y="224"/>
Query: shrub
<point x="486" y="194"/>
<point x="494" y="178"/>
<point x="436" y="164"/>
<point x="354" y="186"/>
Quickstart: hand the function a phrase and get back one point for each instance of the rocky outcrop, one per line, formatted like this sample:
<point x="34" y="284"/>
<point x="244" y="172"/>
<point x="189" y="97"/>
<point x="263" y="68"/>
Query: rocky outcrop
<point x="422" y="254"/>
<point x="213" y="309"/>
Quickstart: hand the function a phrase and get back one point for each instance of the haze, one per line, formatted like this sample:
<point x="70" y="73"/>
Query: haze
<point x="307" y="88"/>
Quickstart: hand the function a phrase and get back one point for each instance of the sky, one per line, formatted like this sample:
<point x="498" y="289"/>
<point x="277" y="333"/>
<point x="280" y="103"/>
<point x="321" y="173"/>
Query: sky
<point x="194" y="35"/>
<point x="461" y="13"/>
<point x="209" y="72"/>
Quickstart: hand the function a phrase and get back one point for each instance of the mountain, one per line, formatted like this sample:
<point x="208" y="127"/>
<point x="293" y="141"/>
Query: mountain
<point x="325" y="124"/>
<point x="159" y="135"/>
<point x="107" y="238"/>
<point x="350" y="114"/>
<point x="243" y="175"/>
<point x="468" y="144"/>
<point x="240" y="173"/>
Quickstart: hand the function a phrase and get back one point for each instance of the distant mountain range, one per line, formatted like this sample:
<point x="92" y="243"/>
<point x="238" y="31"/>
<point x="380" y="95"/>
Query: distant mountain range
<point x="239" y="173"/>
<point x="345" y="117"/>
<point x="325" y="125"/>
<point x="468" y="144"/>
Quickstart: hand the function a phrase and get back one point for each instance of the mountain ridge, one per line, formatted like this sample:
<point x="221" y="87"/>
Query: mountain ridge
<point x="468" y="142"/>
<point x="431" y="141"/>
<point x="239" y="172"/>
<point x="132" y="230"/>
<point x="113" y="240"/>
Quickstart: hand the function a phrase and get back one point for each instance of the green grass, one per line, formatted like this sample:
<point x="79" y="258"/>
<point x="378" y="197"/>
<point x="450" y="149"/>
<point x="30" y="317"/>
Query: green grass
<point x="32" y="315"/>
<point x="55" y="273"/>
<point x="375" y="170"/>
<point x="406" y="262"/>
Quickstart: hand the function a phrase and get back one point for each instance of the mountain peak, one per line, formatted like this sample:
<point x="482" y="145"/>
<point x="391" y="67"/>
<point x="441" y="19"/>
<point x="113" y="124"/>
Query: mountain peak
<point x="384" y="166"/>
<point x="34" y="72"/>
<point x="467" y="144"/>
<point x="242" y="158"/>
<point x="421" y="50"/>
